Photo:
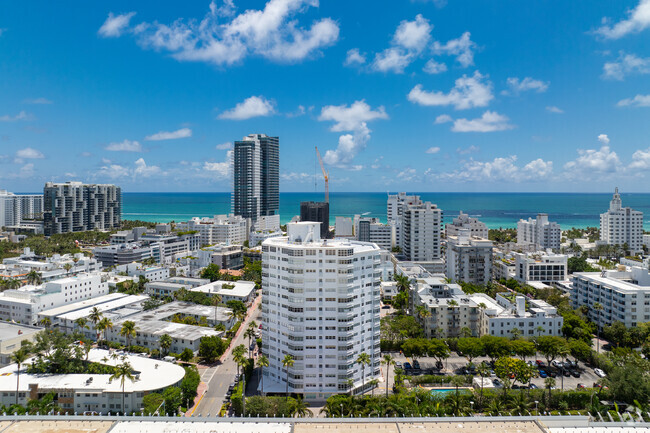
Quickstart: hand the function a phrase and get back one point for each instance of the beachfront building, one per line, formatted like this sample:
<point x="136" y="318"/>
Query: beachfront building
<point x="96" y="393"/>
<point x="343" y="227"/>
<point x="220" y="229"/>
<point x="623" y="295"/>
<point x="77" y="207"/>
<point x="320" y="304"/>
<point x="540" y="233"/>
<point x="622" y="225"/>
<point x="395" y="206"/>
<point x="469" y="258"/>
<point x="371" y="230"/>
<point x="476" y="228"/>
<point x="540" y="266"/>
<point x="421" y="230"/>
<point x="317" y="212"/>
<point x="18" y="208"/>
<point x="23" y="305"/>
<point x="256" y="181"/>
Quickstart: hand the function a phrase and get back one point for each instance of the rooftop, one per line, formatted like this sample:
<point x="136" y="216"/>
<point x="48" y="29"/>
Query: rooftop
<point x="153" y="374"/>
<point x="240" y="289"/>
<point x="13" y="330"/>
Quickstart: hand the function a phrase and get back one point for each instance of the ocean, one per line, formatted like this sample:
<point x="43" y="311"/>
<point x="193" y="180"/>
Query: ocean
<point x="494" y="209"/>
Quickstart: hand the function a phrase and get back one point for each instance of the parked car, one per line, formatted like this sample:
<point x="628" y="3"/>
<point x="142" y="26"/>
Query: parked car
<point x="580" y="386"/>
<point x="566" y="373"/>
<point x="551" y="373"/>
<point x="416" y="364"/>
<point x="543" y="374"/>
<point x="439" y="365"/>
<point x="398" y="364"/>
<point x="497" y="383"/>
<point x="515" y="386"/>
<point x="557" y="364"/>
<point x="575" y="373"/>
<point x="532" y="386"/>
<point x="407" y="366"/>
<point x="599" y="372"/>
<point x="540" y="363"/>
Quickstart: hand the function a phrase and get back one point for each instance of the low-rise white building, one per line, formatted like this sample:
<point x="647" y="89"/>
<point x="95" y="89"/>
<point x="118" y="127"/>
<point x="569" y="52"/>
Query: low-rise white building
<point x="371" y="230"/>
<point x="151" y="273"/>
<point x="12" y="336"/>
<point x="92" y="392"/>
<point x="49" y="268"/>
<point x="469" y="259"/>
<point x="257" y="237"/>
<point x="509" y="312"/>
<point x="646" y="240"/>
<point x="476" y="228"/>
<point x="343" y="227"/>
<point x="221" y="229"/>
<point x="540" y="266"/>
<point x="243" y="291"/>
<point x="624" y="296"/>
<point x="23" y="305"/>
<point x="540" y="233"/>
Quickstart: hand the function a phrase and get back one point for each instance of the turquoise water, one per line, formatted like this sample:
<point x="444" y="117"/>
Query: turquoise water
<point x="444" y="391"/>
<point x="494" y="209"/>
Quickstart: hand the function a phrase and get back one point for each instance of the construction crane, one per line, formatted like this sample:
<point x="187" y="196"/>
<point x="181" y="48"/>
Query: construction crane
<point x="326" y="175"/>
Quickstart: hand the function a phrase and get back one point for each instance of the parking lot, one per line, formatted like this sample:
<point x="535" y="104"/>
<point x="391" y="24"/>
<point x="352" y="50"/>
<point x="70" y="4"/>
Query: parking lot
<point x="454" y="364"/>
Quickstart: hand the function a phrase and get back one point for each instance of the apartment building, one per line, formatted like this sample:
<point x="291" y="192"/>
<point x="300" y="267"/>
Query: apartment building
<point x="221" y="229"/>
<point x="317" y="212"/>
<point x="320" y="304"/>
<point x="79" y="393"/>
<point x="624" y="296"/>
<point x="540" y="266"/>
<point x="18" y="208"/>
<point x="77" y="207"/>
<point x="23" y="305"/>
<point x="476" y="228"/>
<point x="421" y="230"/>
<point x="539" y="233"/>
<point x="622" y="225"/>
<point x="395" y="209"/>
<point x="469" y="259"/>
<point x="371" y="230"/>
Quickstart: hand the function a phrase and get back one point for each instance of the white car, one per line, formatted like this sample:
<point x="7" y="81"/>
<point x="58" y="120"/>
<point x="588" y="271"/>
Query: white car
<point x="599" y="372"/>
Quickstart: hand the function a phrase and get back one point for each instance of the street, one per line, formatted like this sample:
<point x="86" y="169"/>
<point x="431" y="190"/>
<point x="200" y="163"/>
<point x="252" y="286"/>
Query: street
<point x="220" y="376"/>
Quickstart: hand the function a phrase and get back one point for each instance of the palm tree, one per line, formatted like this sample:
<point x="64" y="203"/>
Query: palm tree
<point x="250" y="334"/>
<point x="165" y="343"/>
<point x="262" y="362"/>
<point x="238" y="356"/>
<point x="515" y="332"/>
<point x="128" y="331"/>
<point x="403" y="283"/>
<point x="550" y="383"/>
<point x="457" y="381"/>
<point x="598" y="307"/>
<point x="363" y="359"/>
<point x="540" y="329"/>
<point x="67" y="268"/>
<point x="286" y="363"/>
<point x="12" y="284"/>
<point x="18" y="357"/>
<point x="465" y="332"/>
<point x="483" y="371"/>
<point x="123" y="372"/>
<point x="217" y="300"/>
<point x="34" y="277"/>
<point x="301" y="410"/>
<point x="82" y="323"/>
<point x="388" y="361"/>
<point x="104" y="325"/>
<point x="45" y="322"/>
<point x="95" y="317"/>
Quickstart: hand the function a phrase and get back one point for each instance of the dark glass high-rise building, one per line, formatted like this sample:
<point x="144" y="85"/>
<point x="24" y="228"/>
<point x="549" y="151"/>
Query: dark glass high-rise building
<point x="316" y="211"/>
<point x="256" y="176"/>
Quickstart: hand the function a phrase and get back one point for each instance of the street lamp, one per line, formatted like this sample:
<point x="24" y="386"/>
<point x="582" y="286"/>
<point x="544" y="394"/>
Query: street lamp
<point x="471" y="403"/>
<point x="536" y="411"/>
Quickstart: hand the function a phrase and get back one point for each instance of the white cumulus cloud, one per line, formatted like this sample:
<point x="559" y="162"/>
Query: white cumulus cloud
<point x="641" y="160"/>
<point x="554" y="109"/>
<point x="115" y="25"/>
<point x="626" y="64"/>
<point x="173" y="135"/>
<point x="516" y="86"/>
<point x="224" y="38"/>
<point x="638" y="20"/>
<point x="354" y="57"/>
<point x="29" y="153"/>
<point x="603" y="138"/>
<point x="490" y="121"/>
<point x="637" y="101"/>
<point x="124" y="146"/>
<point x="433" y="67"/>
<point x="38" y="101"/>
<point x="432" y="150"/>
<point x="592" y="163"/>
<point x="500" y="169"/>
<point x="393" y="59"/>
<point x="413" y="35"/>
<point x="468" y="92"/>
<point x="255" y="106"/>
<point x="351" y="119"/>
<point x="224" y="146"/>
<point x="463" y="48"/>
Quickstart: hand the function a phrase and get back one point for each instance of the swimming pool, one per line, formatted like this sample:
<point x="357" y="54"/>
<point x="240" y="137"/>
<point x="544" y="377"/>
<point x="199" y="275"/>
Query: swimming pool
<point x="444" y="391"/>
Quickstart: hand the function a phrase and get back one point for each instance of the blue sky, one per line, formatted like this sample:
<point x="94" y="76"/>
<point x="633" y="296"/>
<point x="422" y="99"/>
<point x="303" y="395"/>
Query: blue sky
<point x="398" y="95"/>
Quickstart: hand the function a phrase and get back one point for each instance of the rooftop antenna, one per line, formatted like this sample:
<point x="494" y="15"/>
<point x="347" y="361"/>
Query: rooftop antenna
<point x="326" y="175"/>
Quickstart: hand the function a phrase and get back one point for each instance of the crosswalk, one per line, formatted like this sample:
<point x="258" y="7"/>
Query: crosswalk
<point x="208" y="374"/>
